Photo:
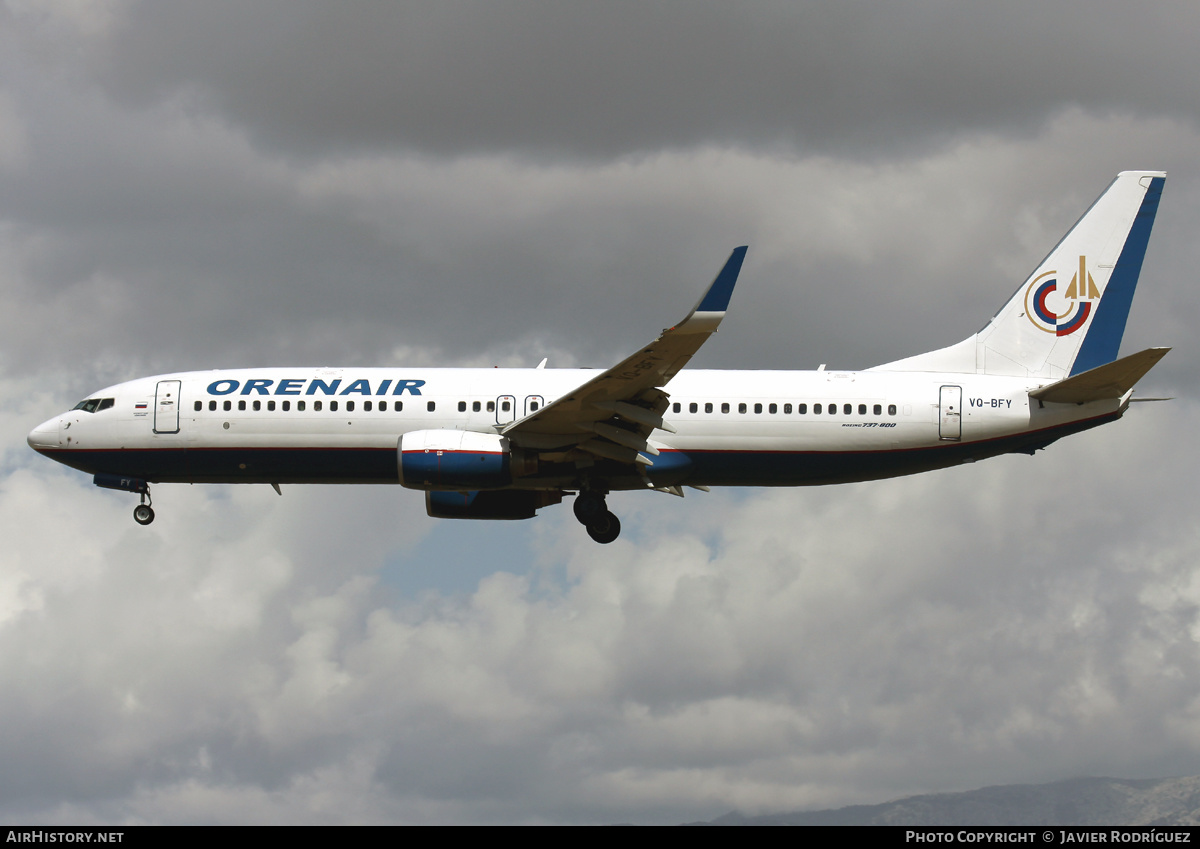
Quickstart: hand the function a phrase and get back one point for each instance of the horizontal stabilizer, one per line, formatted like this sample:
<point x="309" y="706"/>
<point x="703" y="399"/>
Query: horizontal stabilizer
<point x="1110" y="381"/>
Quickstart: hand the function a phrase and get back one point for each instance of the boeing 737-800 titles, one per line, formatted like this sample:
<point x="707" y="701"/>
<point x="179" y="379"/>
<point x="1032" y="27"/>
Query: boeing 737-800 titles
<point x="503" y="443"/>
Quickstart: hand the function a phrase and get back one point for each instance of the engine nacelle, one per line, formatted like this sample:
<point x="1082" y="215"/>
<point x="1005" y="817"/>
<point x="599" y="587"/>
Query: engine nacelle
<point x="503" y="504"/>
<point x="459" y="460"/>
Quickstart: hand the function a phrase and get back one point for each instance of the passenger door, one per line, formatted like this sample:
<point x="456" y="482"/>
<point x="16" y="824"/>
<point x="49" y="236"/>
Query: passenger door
<point x="950" y="423"/>
<point x="166" y="407"/>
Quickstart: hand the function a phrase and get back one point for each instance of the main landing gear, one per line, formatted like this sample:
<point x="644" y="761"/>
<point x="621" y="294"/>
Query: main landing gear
<point x="592" y="511"/>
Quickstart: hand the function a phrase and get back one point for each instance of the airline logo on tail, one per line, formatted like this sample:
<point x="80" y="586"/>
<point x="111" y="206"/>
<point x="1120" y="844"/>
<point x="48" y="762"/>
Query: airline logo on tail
<point x="1062" y="314"/>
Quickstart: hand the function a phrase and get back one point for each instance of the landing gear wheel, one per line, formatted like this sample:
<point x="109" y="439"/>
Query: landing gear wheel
<point x="589" y="507"/>
<point x="143" y="514"/>
<point x="606" y="530"/>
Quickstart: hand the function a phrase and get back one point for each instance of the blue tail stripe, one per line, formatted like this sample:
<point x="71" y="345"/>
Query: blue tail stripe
<point x="1103" y="339"/>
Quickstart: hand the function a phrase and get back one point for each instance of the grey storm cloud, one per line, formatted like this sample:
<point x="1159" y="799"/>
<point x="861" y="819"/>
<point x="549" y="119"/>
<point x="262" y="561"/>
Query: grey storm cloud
<point x="609" y="79"/>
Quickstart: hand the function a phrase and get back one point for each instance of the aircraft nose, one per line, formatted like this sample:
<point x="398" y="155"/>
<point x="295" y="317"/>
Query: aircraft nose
<point x="44" y="435"/>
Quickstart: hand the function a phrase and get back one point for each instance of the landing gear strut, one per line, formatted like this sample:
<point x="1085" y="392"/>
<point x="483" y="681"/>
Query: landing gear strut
<point x="143" y="514"/>
<point x="592" y="511"/>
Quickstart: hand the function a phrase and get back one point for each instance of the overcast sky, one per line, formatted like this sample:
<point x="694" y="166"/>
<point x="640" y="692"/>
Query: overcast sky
<point x="270" y="182"/>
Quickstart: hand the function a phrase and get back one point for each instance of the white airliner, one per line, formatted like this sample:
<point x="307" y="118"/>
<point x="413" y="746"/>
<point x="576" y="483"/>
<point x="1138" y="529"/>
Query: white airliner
<point x="502" y="443"/>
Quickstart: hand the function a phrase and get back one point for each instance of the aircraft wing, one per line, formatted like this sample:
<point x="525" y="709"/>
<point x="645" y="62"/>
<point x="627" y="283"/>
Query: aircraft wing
<point x="613" y="414"/>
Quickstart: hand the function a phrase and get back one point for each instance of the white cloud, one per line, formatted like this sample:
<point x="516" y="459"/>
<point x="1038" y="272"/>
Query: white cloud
<point x="997" y="622"/>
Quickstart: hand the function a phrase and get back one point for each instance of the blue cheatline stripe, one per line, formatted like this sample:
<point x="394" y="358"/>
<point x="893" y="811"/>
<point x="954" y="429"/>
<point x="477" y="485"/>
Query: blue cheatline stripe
<point x="718" y="468"/>
<point x="716" y="299"/>
<point x="1103" y="339"/>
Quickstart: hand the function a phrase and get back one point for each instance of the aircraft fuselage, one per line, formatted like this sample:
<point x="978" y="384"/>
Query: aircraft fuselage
<point x="739" y="428"/>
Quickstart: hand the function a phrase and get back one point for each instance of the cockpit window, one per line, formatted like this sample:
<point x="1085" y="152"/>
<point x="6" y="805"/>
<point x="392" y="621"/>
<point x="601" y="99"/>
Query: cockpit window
<point x="94" y="405"/>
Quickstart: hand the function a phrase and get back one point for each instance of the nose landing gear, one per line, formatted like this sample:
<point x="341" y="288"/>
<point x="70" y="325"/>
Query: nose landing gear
<point x="593" y="513"/>
<point x="143" y="514"/>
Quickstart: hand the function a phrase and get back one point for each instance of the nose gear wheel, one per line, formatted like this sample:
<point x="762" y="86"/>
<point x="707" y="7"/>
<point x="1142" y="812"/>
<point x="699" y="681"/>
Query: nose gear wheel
<point x="143" y="514"/>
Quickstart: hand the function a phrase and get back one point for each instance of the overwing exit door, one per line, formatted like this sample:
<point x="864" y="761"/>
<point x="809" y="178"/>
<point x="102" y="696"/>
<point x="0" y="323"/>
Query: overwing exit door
<point x="506" y="409"/>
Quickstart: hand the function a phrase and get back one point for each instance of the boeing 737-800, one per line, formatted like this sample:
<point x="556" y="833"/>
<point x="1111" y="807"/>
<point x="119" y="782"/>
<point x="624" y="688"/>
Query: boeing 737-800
<point x="503" y="443"/>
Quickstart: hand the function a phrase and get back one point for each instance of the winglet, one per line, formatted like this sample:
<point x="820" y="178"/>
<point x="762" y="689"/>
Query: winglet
<point x="709" y="311"/>
<point x="716" y="299"/>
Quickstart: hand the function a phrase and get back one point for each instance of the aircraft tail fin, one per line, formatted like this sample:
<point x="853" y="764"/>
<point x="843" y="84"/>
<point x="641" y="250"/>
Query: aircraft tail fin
<point x="1068" y="317"/>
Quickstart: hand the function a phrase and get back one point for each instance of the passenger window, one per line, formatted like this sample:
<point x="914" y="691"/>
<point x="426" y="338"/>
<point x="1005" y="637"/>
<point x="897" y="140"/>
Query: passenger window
<point x="773" y="409"/>
<point x="270" y="406"/>
<point x="741" y="408"/>
<point x="257" y="406"/>
<point x="432" y="405"/>
<point x="349" y="406"/>
<point x="287" y="406"/>
<point x="317" y="406"/>
<point x="399" y="406"/>
<point x="891" y="409"/>
<point x="847" y="409"/>
<point x="504" y="405"/>
<point x="862" y="409"/>
<point x="816" y="409"/>
<point x="725" y="407"/>
<point x="383" y="406"/>
<point x="491" y="406"/>
<point x="877" y="410"/>
<point x="676" y="407"/>
<point x="693" y="407"/>
<point x="533" y="406"/>
<point x="212" y="405"/>
<point x="758" y="409"/>
<point x="199" y="406"/>
<point x="367" y="406"/>
<point x="802" y="409"/>
<point x="242" y="405"/>
<point x="474" y="406"/>
<point x="833" y="409"/>
<point x="227" y="406"/>
<point x="462" y="406"/>
<point x="333" y="405"/>
<point x="300" y="406"/>
<point x="708" y="407"/>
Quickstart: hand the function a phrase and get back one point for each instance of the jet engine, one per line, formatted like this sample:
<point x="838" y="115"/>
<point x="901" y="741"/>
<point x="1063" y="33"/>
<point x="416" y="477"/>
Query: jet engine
<point x="505" y="504"/>
<point x="460" y="460"/>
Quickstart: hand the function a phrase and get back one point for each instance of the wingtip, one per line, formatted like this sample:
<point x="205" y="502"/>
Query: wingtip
<point x="716" y="299"/>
